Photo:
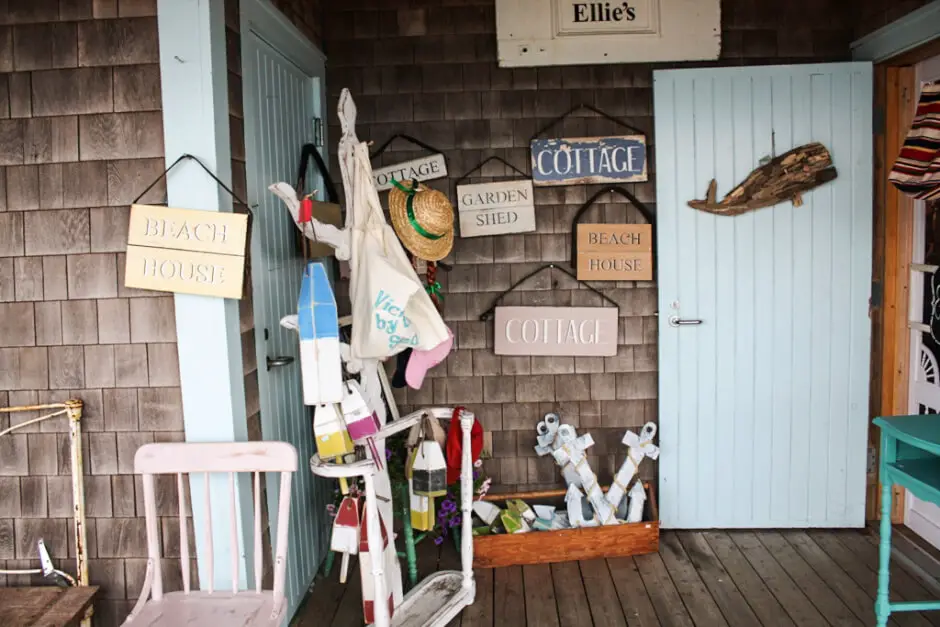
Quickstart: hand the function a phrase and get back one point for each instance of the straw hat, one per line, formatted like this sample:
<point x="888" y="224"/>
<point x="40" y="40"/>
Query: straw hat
<point x="423" y="218"/>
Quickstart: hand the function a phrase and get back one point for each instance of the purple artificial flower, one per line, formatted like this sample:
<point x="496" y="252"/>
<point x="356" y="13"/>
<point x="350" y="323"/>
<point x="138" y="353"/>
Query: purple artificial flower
<point x="448" y="506"/>
<point x="331" y="509"/>
<point x="453" y="522"/>
<point x="388" y="454"/>
<point x="439" y="540"/>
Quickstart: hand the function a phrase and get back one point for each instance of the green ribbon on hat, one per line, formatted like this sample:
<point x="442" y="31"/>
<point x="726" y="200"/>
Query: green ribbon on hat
<point x="435" y="290"/>
<point x="409" y="208"/>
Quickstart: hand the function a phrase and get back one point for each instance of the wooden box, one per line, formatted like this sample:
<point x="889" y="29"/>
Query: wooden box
<point x="567" y="545"/>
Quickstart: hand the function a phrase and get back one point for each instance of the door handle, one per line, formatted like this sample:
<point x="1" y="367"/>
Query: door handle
<point x="274" y="362"/>
<point x="676" y="321"/>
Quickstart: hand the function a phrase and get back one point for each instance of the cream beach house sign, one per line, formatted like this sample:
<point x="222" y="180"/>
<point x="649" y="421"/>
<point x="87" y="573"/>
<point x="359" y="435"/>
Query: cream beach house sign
<point x="577" y="331"/>
<point x="496" y="208"/>
<point x="186" y="251"/>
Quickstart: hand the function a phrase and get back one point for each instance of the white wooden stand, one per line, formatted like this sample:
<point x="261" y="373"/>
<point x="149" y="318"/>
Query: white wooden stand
<point x="439" y="598"/>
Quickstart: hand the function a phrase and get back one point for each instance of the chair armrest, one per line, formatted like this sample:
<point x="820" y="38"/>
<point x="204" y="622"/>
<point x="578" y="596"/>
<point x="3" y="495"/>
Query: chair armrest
<point x="144" y="593"/>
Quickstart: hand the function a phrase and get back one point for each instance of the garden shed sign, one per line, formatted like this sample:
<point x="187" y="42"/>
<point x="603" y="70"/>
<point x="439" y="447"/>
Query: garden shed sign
<point x="586" y="160"/>
<point x="496" y="208"/>
<point x="186" y="251"/>
<point x="577" y="331"/>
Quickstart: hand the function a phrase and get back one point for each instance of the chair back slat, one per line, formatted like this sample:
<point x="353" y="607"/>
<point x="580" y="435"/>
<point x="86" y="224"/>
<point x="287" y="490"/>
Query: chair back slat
<point x="184" y="533"/>
<point x="280" y="551"/>
<point x="207" y="458"/>
<point x="153" y="536"/>
<point x="234" y="516"/>
<point x="259" y="559"/>
<point x="209" y="552"/>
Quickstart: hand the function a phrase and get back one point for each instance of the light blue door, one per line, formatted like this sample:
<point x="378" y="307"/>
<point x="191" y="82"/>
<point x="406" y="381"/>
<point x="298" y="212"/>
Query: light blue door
<point x="282" y="102"/>
<point x="763" y="405"/>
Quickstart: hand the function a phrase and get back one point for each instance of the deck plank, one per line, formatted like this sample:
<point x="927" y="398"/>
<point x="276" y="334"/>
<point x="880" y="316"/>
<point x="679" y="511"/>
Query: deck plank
<point x="759" y="597"/>
<point x="866" y="578"/>
<point x="570" y="595"/>
<point x="846" y="589"/>
<point x="669" y="607"/>
<point x="790" y="597"/>
<point x="508" y="596"/>
<point x="698" y="600"/>
<point x="480" y="614"/>
<point x="322" y="605"/>
<point x="732" y="603"/>
<point x="602" y="596"/>
<point x="907" y="585"/>
<point x="634" y="599"/>
<point x="812" y="585"/>
<point x="349" y="610"/>
<point x="541" y="607"/>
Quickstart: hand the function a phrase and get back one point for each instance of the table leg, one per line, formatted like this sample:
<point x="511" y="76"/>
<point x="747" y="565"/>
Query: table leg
<point x="882" y="604"/>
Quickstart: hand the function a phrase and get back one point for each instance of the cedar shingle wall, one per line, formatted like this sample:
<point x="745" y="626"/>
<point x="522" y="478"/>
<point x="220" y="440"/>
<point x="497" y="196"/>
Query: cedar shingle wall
<point x="80" y="136"/>
<point x="429" y="69"/>
<point x="873" y="14"/>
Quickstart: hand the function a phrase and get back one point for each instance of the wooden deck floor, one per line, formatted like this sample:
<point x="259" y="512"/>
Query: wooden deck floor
<point x="735" y="578"/>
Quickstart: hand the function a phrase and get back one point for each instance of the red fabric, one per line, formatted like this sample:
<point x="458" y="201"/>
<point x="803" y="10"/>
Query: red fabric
<point x="454" y="449"/>
<point x="306" y="211"/>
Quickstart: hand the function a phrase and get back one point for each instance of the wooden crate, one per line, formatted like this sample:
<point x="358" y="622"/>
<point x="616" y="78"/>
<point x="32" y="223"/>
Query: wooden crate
<point x="566" y="545"/>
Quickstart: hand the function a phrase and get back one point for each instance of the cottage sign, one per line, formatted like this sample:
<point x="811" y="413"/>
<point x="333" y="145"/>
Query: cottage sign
<point x="586" y="160"/>
<point x="615" y="252"/>
<point x="423" y="169"/>
<point x="577" y="331"/>
<point x="186" y="251"/>
<point x="496" y="208"/>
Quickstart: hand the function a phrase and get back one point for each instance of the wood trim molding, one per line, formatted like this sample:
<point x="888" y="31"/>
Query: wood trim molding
<point x="263" y="19"/>
<point x="906" y="34"/>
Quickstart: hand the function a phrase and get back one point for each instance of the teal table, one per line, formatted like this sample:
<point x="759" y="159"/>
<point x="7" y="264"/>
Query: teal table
<point x="910" y="458"/>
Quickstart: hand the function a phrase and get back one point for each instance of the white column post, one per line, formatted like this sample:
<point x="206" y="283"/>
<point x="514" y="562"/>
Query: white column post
<point x="194" y="75"/>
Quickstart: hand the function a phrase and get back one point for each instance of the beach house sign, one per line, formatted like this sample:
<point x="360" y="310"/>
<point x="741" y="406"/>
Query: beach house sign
<point x="586" y="160"/>
<point x="496" y="208"/>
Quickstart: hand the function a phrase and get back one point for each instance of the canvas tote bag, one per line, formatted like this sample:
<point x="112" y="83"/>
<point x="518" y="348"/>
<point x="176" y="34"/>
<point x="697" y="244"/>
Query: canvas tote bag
<point x="391" y="311"/>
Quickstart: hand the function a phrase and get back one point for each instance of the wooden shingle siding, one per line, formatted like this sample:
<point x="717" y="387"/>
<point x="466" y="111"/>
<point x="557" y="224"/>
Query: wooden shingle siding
<point x="81" y="135"/>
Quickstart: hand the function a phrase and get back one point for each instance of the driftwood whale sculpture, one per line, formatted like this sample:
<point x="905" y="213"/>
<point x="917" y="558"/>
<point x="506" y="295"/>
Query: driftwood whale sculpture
<point x="783" y="178"/>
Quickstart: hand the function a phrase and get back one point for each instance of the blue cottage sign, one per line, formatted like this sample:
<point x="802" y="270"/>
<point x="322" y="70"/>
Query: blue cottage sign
<point x="584" y="160"/>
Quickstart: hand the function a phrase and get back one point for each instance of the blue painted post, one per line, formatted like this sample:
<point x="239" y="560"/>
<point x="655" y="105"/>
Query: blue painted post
<point x="882" y="603"/>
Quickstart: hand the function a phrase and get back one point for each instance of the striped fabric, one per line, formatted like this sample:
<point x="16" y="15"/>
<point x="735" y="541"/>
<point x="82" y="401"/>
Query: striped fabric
<point x="917" y="169"/>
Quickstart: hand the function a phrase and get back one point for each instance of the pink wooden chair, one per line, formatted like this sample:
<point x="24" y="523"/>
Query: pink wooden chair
<point x="235" y="608"/>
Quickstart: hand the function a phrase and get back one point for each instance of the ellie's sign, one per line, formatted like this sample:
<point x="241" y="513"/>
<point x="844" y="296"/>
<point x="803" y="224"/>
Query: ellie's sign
<point x="578" y="331"/>
<point x="586" y="160"/>
<point x="423" y="169"/>
<point x="186" y="251"/>
<point x="615" y="252"/>
<point x="496" y="208"/>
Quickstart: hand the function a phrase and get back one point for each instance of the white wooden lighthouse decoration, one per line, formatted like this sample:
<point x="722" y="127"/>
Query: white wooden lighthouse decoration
<point x="638" y="447"/>
<point x="317" y="323"/>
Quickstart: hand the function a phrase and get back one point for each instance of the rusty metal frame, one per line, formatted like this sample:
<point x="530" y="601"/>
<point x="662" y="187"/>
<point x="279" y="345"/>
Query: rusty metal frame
<point x="71" y="408"/>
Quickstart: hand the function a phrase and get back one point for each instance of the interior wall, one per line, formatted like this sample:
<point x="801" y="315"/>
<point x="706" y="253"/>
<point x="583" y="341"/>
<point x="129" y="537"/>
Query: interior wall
<point x="430" y="70"/>
<point x="81" y="136"/>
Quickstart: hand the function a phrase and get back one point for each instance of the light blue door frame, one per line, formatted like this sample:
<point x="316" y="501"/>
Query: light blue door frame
<point x="763" y="406"/>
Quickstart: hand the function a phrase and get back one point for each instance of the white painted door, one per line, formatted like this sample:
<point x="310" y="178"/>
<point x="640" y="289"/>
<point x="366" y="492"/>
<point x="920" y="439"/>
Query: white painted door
<point x="763" y="405"/>
<point x="281" y="104"/>
<point x="921" y="516"/>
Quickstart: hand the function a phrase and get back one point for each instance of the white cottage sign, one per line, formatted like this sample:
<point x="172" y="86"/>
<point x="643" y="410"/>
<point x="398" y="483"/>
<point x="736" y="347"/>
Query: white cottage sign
<point x="575" y="331"/>
<point x="496" y="208"/>
<point x="423" y="169"/>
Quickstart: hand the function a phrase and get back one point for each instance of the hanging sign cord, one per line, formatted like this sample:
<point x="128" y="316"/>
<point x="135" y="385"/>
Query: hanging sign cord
<point x="408" y="138"/>
<point x="480" y="165"/>
<point x="183" y="157"/>
<point x="486" y="315"/>
<point x="577" y="108"/>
